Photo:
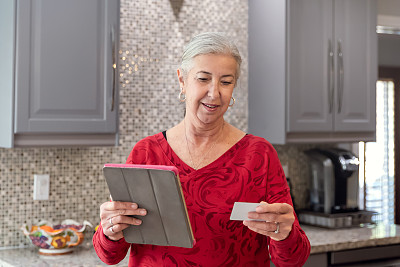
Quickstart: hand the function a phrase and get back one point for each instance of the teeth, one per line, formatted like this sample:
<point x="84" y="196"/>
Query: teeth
<point x="210" y="106"/>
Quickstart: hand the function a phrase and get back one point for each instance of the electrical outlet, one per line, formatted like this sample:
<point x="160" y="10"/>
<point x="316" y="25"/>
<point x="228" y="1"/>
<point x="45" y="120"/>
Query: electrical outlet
<point x="41" y="186"/>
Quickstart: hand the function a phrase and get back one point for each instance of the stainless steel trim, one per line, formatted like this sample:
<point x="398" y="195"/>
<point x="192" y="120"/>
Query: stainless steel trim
<point x="388" y="30"/>
<point x="331" y="68"/>
<point x="114" y="67"/>
<point x="340" y="76"/>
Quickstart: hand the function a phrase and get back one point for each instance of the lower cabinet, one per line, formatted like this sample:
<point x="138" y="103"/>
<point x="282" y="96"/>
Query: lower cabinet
<point x="315" y="260"/>
<point x="372" y="256"/>
<point x="384" y="256"/>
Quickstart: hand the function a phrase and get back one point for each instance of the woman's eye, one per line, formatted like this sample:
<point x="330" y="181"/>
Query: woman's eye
<point x="226" y="83"/>
<point x="202" y="79"/>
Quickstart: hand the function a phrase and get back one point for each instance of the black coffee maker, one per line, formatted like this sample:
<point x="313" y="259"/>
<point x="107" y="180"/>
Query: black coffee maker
<point x="334" y="190"/>
<point x="334" y="180"/>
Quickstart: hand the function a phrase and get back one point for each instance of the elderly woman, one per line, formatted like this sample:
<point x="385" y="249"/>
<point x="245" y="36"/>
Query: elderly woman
<point x="218" y="165"/>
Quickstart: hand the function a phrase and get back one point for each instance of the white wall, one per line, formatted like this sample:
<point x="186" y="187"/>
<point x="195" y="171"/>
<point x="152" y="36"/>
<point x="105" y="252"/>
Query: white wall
<point x="389" y="7"/>
<point x="388" y="44"/>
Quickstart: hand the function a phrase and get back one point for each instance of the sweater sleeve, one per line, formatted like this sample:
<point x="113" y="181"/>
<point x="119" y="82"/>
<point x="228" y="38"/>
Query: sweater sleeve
<point x="295" y="249"/>
<point x="112" y="252"/>
<point x="109" y="251"/>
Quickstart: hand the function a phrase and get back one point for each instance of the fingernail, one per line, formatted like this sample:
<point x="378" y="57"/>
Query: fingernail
<point x="142" y="212"/>
<point x="134" y="206"/>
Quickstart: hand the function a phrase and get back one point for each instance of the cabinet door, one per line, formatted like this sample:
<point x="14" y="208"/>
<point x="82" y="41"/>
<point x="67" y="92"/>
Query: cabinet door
<point x="356" y="65"/>
<point x="309" y="96"/>
<point x="314" y="260"/>
<point x="65" y="80"/>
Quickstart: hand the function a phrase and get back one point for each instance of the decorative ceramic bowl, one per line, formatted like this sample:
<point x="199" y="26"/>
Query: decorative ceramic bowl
<point x="56" y="239"/>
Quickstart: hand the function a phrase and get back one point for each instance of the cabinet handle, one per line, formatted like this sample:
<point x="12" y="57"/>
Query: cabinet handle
<point x="330" y="76"/>
<point x="114" y="67"/>
<point x="340" y="76"/>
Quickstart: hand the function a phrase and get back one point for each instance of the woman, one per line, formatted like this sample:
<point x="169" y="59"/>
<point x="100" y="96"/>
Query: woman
<point x="218" y="165"/>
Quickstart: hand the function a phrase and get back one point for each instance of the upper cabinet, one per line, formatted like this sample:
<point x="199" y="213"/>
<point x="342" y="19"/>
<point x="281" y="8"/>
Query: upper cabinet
<point x="62" y="77"/>
<point x="327" y="51"/>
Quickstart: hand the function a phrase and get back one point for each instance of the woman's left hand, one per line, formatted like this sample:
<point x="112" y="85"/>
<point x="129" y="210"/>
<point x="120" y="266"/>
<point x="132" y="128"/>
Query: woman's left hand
<point x="276" y="220"/>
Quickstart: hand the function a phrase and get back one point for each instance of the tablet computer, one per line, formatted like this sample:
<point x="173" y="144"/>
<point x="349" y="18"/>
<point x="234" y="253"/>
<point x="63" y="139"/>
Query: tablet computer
<point x="158" y="190"/>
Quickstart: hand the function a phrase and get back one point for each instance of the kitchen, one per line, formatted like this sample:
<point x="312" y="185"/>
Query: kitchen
<point x="148" y="55"/>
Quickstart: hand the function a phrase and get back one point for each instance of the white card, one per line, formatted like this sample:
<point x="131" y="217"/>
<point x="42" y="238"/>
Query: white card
<point x="240" y="210"/>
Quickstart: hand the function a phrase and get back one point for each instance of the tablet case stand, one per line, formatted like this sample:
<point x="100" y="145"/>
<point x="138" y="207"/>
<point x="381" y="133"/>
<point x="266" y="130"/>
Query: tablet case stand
<point x="159" y="192"/>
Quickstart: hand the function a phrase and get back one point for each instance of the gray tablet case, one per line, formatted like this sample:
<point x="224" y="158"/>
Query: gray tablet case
<point x="158" y="190"/>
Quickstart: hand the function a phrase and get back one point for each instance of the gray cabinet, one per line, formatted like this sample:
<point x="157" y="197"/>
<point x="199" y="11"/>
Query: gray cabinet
<point x="63" y="83"/>
<point x="327" y="51"/>
<point x="385" y="255"/>
<point x="314" y="260"/>
<point x="331" y="79"/>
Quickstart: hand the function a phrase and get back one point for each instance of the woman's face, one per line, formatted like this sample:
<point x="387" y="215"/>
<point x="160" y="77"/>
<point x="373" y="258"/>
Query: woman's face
<point x="209" y="86"/>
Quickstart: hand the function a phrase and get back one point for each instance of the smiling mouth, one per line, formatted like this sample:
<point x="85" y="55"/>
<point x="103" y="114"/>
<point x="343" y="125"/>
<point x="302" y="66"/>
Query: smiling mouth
<point x="210" y="106"/>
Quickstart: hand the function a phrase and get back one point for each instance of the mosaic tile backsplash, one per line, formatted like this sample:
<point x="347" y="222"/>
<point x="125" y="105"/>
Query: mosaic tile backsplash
<point x="152" y="36"/>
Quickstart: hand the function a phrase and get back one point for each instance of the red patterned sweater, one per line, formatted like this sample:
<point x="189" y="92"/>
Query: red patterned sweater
<point x="249" y="171"/>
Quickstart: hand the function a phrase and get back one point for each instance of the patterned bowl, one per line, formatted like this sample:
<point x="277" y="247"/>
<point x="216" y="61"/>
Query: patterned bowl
<point x="56" y="239"/>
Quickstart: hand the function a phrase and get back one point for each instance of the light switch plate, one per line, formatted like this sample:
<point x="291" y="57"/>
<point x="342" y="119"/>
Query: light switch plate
<point x="41" y="186"/>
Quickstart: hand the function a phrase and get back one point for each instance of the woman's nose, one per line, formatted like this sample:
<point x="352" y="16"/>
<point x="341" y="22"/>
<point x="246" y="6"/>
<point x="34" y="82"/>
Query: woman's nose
<point x="214" y="90"/>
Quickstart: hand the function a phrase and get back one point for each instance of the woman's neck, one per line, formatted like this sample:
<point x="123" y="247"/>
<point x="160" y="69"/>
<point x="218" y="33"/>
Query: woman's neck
<point x="198" y="133"/>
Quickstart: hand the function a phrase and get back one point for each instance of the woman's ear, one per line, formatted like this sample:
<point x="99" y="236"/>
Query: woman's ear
<point x="181" y="79"/>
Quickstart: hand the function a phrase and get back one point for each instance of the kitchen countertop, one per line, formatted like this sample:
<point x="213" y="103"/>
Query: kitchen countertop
<point x="325" y="240"/>
<point x="83" y="256"/>
<point x="322" y="240"/>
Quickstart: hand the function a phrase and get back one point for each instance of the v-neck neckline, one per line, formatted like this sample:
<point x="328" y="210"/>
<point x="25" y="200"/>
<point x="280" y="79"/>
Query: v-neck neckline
<point x="166" y="147"/>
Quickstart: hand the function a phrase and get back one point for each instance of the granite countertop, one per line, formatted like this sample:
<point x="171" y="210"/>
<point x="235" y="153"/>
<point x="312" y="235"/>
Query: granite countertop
<point x="82" y="256"/>
<point x="324" y="240"/>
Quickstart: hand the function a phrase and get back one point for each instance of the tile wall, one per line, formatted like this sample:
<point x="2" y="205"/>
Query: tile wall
<point x="153" y="33"/>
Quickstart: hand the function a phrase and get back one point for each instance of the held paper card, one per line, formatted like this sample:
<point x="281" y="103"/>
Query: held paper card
<point x="240" y="210"/>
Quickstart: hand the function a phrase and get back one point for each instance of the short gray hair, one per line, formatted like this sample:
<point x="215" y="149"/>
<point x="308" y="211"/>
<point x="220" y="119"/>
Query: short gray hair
<point x="209" y="43"/>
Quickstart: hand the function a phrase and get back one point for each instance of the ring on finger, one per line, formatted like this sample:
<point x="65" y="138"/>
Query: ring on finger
<point x="111" y="229"/>
<point x="277" y="228"/>
<point x="110" y="220"/>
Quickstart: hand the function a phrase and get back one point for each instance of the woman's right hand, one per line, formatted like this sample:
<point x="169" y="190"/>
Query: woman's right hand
<point x="114" y="217"/>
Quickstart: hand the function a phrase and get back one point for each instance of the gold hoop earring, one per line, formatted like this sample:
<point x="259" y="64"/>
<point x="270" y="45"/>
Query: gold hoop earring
<point x="181" y="94"/>
<point x="233" y="103"/>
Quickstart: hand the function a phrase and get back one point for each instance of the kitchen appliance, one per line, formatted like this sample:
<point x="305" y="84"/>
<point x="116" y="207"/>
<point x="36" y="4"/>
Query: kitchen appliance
<point x="334" y="190"/>
<point x="334" y="180"/>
